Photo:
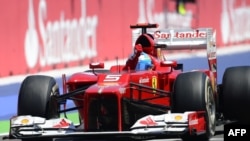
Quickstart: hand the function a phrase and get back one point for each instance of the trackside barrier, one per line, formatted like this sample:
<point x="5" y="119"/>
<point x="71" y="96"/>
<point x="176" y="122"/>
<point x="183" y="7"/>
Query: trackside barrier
<point x="51" y="35"/>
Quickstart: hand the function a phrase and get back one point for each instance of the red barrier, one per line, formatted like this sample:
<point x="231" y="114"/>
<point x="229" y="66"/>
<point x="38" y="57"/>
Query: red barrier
<point x="40" y="35"/>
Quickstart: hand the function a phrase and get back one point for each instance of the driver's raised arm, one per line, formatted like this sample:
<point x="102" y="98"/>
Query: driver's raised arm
<point x="133" y="59"/>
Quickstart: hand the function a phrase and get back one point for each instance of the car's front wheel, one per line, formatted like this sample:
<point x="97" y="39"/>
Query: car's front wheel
<point x="37" y="97"/>
<point x="193" y="92"/>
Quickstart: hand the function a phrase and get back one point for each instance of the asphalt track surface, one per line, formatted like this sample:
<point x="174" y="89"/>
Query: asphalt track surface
<point x="9" y="92"/>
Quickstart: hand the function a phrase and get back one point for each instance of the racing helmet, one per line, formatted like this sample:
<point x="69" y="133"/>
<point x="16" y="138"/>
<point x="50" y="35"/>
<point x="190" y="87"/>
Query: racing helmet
<point x="144" y="62"/>
<point x="147" y="42"/>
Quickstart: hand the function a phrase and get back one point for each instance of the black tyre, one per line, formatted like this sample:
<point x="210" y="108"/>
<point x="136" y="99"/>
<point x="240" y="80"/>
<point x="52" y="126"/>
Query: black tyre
<point x="193" y="92"/>
<point x="236" y="93"/>
<point x="37" y="97"/>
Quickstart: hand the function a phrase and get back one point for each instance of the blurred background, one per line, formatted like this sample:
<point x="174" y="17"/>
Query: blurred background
<point x="38" y="36"/>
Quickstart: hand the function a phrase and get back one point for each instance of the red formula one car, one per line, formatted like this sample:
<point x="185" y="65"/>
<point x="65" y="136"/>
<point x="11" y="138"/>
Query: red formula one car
<point x="117" y="103"/>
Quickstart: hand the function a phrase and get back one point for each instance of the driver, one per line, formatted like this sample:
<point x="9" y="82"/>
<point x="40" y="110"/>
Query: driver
<point x="144" y="56"/>
<point x="144" y="62"/>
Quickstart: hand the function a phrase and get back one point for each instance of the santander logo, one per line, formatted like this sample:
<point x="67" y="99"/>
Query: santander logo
<point x="63" y="40"/>
<point x="194" y="34"/>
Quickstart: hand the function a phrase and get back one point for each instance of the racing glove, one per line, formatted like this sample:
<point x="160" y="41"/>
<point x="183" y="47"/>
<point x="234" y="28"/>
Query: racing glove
<point x="138" y="49"/>
<point x="133" y="59"/>
<point x="137" y="52"/>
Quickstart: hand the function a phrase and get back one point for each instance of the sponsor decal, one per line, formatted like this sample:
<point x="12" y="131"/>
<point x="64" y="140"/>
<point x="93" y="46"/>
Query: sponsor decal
<point x="143" y="80"/>
<point x="148" y="121"/>
<point x="178" y="117"/>
<point x="21" y="120"/>
<point x="193" y="122"/>
<point x="171" y="34"/>
<point x="61" y="124"/>
<point x="25" y="121"/>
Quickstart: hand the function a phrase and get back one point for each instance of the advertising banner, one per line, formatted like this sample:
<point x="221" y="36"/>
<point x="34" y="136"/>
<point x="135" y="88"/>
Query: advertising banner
<point x="42" y="35"/>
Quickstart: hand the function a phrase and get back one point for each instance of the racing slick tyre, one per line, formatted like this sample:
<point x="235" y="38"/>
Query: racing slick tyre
<point x="37" y="97"/>
<point x="236" y="94"/>
<point x="193" y="92"/>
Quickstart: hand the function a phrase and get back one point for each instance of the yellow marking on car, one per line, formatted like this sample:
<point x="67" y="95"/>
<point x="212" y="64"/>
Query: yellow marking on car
<point x="154" y="83"/>
<point x="178" y="117"/>
<point x="25" y="121"/>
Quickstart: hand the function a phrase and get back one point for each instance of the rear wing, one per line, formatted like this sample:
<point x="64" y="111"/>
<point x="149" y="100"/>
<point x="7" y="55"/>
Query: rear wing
<point x="189" y="39"/>
<point x="183" y="39"/>
<point x="175" y="39"/>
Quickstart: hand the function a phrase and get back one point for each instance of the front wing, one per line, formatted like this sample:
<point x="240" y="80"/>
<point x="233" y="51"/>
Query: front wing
<point x="148" y="127"/>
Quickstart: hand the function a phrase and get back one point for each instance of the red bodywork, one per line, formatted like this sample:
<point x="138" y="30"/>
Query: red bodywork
<point x="114" y="99"/>
<point x="117" y="86"/>
<point x="118" y="101"/>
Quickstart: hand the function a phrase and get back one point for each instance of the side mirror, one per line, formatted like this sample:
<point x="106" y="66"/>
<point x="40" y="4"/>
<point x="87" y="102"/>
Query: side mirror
<point x="169" y="64"/>
<point x="96" y="65"/>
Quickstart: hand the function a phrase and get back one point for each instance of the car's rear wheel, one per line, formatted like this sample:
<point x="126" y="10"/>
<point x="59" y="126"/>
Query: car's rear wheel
<point x="236" y="93"/>
<point x="193" y="92"/>
<point x="37" y="97"/>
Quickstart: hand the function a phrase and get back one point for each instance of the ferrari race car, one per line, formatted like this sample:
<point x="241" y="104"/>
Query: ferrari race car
<point x="114" y="103"/>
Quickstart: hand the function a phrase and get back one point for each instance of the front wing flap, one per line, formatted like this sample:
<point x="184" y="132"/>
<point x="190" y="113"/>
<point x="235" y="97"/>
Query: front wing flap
<point x="172" y="124"/>
<point x="151" y="126"/>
